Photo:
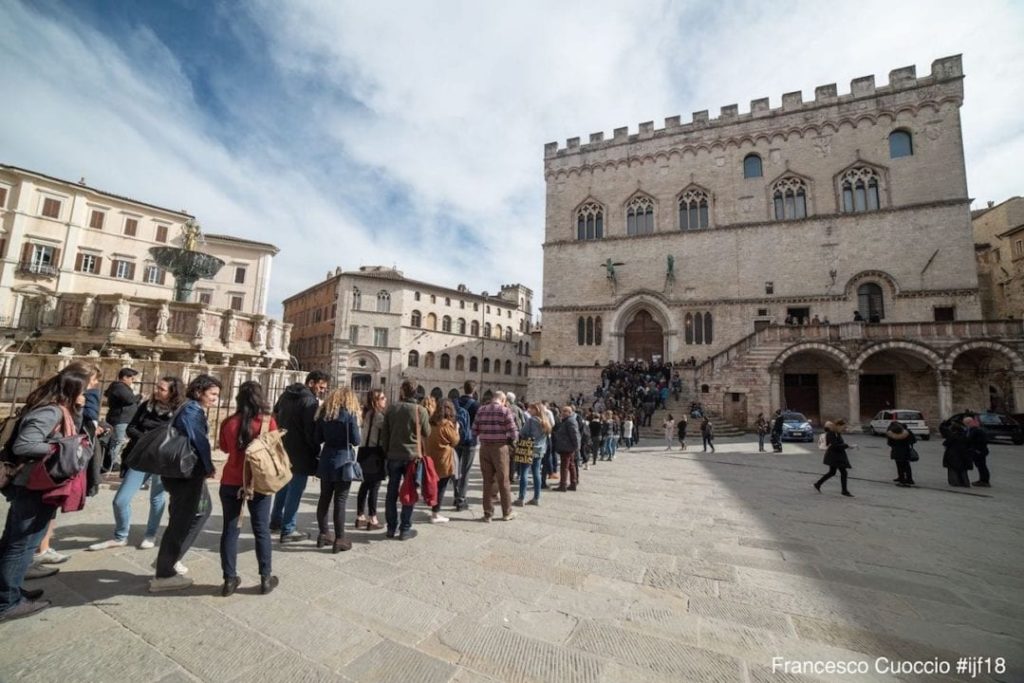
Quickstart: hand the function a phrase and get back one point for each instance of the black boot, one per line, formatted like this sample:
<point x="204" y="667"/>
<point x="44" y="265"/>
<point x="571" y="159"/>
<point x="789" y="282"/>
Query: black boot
<point x="268" y="583"/>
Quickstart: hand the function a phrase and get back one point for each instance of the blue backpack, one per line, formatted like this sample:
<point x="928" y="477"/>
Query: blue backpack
<point x="466" y="436"/>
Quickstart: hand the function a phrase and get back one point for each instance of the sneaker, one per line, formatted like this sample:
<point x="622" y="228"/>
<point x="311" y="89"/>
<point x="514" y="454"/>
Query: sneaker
<point x="106" y="545"/>
<point x="510" y="516"/>
<point x="486" y="519"/>
<point x="24" y="609"/>
<point x="51" y="556"/>
<point x="40" y="571"/>
<point x="293" y="537"/>
<point x="178" y="567"/>
<point x="533" y="501"/>
<point x="518" y="502"/>
<point x="171" y="583"/>
<point x="147" y="543"/>
<point x="438" y="519"/>
<point x="407" y="534"/>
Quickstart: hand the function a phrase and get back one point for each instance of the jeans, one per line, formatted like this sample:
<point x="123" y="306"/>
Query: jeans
<point x="467" y="455"/>
<point x="123" y="504"/>
<point x="366" y="499"/>
<point x="27" y="520"/>
<point x="286" y="504"/>
<point x="189" y="508"/>
<point x="259" y="517"/>
<point x="442" y="486"/>
<point x="708" y="442"/>
<point x="332" y="492"/>
<point x="396" y="473"/>
<point x="831" y="473"/>
<point x="118" y="437"/>
<point x="494" y="463"/>
<point x="533" y="467"/>
<point x="760" y="442"/>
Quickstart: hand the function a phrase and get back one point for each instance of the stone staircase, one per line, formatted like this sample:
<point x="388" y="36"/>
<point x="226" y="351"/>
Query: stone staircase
<point x="681" y="407"/>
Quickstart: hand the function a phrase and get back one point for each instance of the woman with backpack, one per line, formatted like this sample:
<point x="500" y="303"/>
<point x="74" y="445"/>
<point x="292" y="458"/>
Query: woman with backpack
<point x="337" y="428"/>
<point x="236" y="433"/>
<point x="189" y="504"/>
<point x="153" y="413"/>
<point x="440" y="447"/>
<point x="537" y="428"/>
<point x="54" y="407"/>
<point x="371" y="460"/>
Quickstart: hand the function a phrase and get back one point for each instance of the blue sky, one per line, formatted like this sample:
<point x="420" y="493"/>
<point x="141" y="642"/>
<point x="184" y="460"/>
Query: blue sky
<point x="411" y="133"/>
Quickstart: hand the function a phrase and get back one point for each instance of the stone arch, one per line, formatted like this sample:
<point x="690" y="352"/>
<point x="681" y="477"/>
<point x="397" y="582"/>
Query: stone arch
<point x="1010" y="354"/>
<point x="925" y="353"/>
<point x="810" y="194"/>
<point x="836" y="354"/>
<point x="372" y="362"/>
<point x="883" y="175"/>
<point x="634" y="303"/>
<point x="880" y="276"/>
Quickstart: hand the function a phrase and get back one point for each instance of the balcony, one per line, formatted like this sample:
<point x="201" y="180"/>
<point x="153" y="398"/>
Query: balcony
<point x="38" y="269"/>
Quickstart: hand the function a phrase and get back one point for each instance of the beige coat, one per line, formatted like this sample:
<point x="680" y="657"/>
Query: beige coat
<point x="441" y="447"/>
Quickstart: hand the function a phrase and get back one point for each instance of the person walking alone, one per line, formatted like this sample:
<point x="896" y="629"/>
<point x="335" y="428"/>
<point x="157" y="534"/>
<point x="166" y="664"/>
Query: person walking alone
<point x="835" y="455"/>
<point x="707" y="433"/>
<point x="901" y="446"/>
<point x="762" y="429"/>
<point x="669" y="427"/>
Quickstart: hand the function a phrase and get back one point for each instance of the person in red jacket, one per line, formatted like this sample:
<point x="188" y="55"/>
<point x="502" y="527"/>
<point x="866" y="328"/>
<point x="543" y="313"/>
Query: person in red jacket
<point x="235" y="434"/>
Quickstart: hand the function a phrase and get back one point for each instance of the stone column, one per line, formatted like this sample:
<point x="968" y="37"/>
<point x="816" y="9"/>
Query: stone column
<point x="945" y="381"/>
<point x="853" y="397"/>
<point x="1017" y="380"/>
<point x="775" y="395"/>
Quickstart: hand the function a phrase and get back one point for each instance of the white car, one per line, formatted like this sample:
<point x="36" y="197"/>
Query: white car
<point x="911" y="419"/>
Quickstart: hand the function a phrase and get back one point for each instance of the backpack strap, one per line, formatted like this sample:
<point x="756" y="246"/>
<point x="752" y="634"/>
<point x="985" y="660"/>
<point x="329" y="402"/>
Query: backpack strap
<point x="264" y="424"/>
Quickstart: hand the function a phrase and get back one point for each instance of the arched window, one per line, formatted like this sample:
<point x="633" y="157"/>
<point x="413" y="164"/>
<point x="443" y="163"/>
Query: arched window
<point x="870" y="302"/>
<point x="487" y="330"/>
<point x="707" y="328"/>
<point x="508" y="367"/>
<point x="414" y="359"/>
<point x="460" y="363"/>
<point x="428" y="360"/>
<point x="474" y="328"/>
<point x="688" y="328"/>
<point x="581" y="331"/>
<point x="527" y="348"/>
<point x="752" y="166"/>
<point x="460" y="326"/>
<point x="357" y="299"/>
<point x="590" y="222"/>
<point x="416" y="319"/>
<point x="499" y="332"/>
<point x="446" y="324"/>
<point x="900" y="144"/>
<point x="383" y="301"/>
<point x="497" y="366"/>
<point x="640" y="216"/>
<point x="693" y="210"/>
<point x="860" y="190"/>
<point x="519" y="369"/>
<point x="519" y="347"/>
<point x="446" y="361"/>
<point x="474" y="365"/>
<point x="698" y="329"/>
<point x="590" y="331"/>
<point x="790" y="197"/>
<point x="597" y="330"/>
<point x="487" y="364"/>
<point x="431" y="322"/>
<point x="508" y="333"/>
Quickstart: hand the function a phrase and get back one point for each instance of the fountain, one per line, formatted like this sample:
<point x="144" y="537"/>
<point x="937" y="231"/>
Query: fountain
<point x="186" y="263"/>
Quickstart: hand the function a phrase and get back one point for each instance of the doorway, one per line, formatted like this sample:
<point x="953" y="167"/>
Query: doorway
<point x="877" y="392"/>
<point x="644" y="339"/>
<point x="801" y="394"/>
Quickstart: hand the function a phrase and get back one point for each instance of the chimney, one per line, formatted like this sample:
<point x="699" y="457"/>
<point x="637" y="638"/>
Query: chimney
<point x="991" y="203"/>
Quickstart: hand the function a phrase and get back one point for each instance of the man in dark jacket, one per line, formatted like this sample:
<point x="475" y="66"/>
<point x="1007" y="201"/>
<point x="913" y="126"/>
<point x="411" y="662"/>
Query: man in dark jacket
<point x="121" y="405"/>
<point x="467" y="448"/>
<point x="403" y="444"/>
<point x="296" y="412"/>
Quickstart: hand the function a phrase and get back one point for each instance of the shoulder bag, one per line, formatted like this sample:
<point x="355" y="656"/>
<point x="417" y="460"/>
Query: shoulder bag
<point x="164" y="451"/>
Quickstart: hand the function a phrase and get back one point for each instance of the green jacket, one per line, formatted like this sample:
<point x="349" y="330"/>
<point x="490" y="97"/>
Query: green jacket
<point x="398" y="435"/>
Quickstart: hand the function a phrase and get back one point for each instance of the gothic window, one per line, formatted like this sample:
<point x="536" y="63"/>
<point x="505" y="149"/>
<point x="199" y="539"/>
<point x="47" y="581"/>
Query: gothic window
<point x="487" y="365"/>
<point x="697" y="328"/>
<point x="590" y="222"/>
<point x="752" y="166"/>
<point x="508" y="367"/>
<point x="460" y="326"/>
<point x="527" y="348"/>
<point x="707" y="328"/>
<point x="640" y="216"/>
<point x="473" y="364"/>
<point x="581" y="326"/>
<point x="416" y="320"/>
<point x="414" y="359"/>
<point x="519" y="369"/>
<point x="790" y="198"/>
<point x="499" y="332"/>
<point x="590" y="331"/>
<point x="487" y="330"/>
<point x="460" y="363"/>
<point x="431" y="323"/>
<point x="693" y="210"/>
<point x="474" y="328"/>
<point x="597" y="330"/>
<point x="860" y="190"/>
<point x="446" y="361"/>
<point x="357" y="299"/>
<point x="446" y="324"/>
<point x="870" y="302"/>
<point x="900" y="144"/>
<point x="383" y="301"/>
<point x="428" y="359"/>
<point x="497" y="366"/>
<point x="688" y="325"/>
<point x="508" y="333"/>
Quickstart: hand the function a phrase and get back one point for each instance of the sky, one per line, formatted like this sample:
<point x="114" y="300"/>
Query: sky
<point x="411" y="133"/>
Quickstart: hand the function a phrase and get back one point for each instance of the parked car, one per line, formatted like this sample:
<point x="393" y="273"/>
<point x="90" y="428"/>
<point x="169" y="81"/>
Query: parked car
<point x="911" y="419"/>
<point x="796" y="427"/>
<point x="995" y="426"/>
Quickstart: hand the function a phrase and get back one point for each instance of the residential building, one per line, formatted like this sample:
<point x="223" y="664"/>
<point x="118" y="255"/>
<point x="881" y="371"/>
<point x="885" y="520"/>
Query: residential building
<point x="999" y="247"/>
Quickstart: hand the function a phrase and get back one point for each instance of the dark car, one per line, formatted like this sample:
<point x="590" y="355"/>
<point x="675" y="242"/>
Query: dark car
<point x="796" y="427"/>
<point x="994" y="425"/>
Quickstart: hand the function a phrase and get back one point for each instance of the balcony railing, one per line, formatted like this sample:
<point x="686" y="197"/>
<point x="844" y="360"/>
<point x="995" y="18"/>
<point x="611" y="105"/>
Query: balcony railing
<point x="43" y="269"/>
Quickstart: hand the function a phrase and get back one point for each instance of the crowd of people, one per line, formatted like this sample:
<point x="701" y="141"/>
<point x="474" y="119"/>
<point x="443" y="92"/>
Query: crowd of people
<point x="421" y="446"/>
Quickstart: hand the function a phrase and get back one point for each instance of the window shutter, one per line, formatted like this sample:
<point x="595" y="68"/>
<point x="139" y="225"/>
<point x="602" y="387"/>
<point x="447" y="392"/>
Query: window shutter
<point x="26" y="252"/>
<point x="78" y="262"/>
<point x="131" y="271"/>
<point x="163" y="276"/>
<point x="99" y="266"/>
<point x="113" y="267"/>
<point x="3" y="247"/>
<point x="55" y="260"/>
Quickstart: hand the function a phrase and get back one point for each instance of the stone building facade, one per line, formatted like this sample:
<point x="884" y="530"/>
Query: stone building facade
<point x="373" y="327"/>
<point x="689" y="240"/>
<point x="999" y="247"/>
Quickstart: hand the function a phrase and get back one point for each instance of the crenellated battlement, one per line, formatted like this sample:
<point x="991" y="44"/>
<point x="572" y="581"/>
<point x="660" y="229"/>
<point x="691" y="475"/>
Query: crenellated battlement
<point x="904" y="78"/>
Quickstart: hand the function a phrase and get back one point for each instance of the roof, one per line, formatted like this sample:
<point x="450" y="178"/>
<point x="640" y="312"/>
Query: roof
<point x="978" y="213"/>
<point x="37" y="174"/>
<point x="1011" y="231"/>
<point x="242" y="240"/>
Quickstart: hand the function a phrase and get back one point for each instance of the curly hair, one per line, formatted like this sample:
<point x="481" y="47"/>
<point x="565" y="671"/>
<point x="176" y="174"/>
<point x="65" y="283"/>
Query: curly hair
<point x="338" y="400"/>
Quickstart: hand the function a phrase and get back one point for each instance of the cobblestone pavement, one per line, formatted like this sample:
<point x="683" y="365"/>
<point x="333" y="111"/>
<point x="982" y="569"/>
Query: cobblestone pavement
<point x="662" y="567"/>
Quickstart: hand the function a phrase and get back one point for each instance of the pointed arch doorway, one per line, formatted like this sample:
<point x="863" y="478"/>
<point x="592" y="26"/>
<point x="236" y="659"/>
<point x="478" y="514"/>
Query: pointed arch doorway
<point x="644" y="338"/>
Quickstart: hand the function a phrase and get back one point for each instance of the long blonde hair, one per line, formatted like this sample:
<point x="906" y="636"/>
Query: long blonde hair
<point x="340" y="399"/>
<point x="542" y="415"/>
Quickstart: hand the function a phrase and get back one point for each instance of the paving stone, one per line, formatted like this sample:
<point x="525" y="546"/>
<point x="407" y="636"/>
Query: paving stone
<point x="158" y="618"/>
<point x="679" y="581"/>
<point x="530" y="567"/>
<point x="768" y="564"/>
<point x="405" y="618"/>
<point x="446" y="592"/>
<point x="871" y="642"/>
<point x="775" y="544"/>
<point x="389" y="661"/>
<point x="373" y="570"/>
<point x="90" y="658"/>
<point x="53" y="629"/>
<point x="234" y="656"/>
<point x="892" y="585"/>
<point x="736" y="612"/>
<point x="550" y="625"/>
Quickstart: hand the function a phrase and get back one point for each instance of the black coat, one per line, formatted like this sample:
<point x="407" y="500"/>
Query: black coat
<point x="296" y="412"/>
<point x="121" y="403"/>
<point x="900" y="445"/>
<point x="958" y="454"/>
<point x="835" y="451"/>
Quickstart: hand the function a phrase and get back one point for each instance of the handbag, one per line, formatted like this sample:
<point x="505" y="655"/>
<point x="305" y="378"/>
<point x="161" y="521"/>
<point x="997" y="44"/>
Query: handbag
<point x="351" y="471"/>
<point x="523" y="452"/>
<point x="912" y="454"/>
<point x="164" y="451"/>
